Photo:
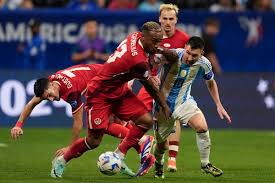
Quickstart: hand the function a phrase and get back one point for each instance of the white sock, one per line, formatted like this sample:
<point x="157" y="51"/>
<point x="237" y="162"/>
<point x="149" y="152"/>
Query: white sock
<point x="204" y="143"/>
<point x="120" y="154"/>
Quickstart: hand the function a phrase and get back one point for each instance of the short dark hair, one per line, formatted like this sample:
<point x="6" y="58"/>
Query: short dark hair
<point x="196" y="42"/>
<point x="150" y="26"/>
<point x="40" y="86"/>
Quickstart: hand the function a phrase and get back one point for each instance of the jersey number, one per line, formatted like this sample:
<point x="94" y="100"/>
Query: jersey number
<point x="118" y="54"/>
<point x="70" y="73"/>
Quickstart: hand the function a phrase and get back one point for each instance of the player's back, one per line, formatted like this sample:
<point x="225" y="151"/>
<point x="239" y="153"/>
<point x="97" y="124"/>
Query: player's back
<point x="129" y="61"/>
<point x="177" y="78"/>
<point x="75" y="78"/>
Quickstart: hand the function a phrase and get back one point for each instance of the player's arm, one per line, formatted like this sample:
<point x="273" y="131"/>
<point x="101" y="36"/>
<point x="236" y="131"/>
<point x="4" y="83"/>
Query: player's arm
<point x="213" y="90"/>
<point x="169" y="55"/>
<point x="16" y="131"/>
<point x="76" y="130"/>
<point x="77" y="124"/>
<point x="158" y="96"/>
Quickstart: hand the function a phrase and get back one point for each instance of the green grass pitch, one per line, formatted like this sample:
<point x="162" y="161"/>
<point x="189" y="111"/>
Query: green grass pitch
<point x="244" y="156"/>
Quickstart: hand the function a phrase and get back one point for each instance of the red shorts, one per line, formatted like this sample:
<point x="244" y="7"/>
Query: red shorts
<point x="146" y="98"/>
<point x="99" y="108"/>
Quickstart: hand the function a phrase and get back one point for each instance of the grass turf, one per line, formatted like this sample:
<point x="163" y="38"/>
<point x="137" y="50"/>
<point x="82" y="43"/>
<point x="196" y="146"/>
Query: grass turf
<point x="244" y="156"/>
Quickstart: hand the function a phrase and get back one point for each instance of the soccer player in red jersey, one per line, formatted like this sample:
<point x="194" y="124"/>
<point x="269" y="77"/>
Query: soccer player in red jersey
<point x="108" y="93"/>
<point x="69" y="84"/>
<point x="172" y="38"/>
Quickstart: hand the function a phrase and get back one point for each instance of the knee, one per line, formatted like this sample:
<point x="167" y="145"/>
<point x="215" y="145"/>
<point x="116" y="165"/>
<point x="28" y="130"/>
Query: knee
<point x="145" y="121"/>
<point x="201" y="129"/>
<point x="93" y="143"/>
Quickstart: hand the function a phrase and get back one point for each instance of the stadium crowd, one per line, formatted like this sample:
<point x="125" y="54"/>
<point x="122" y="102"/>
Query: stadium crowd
<point x="142" y="5"/>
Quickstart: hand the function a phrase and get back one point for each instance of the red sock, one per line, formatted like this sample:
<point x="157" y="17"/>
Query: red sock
<point x="76" y="149"/>
<point x="117" y="130"/>
<point x="173" y="149"/>
<point x="120" y="131"/>
<point x="132" y="138"/>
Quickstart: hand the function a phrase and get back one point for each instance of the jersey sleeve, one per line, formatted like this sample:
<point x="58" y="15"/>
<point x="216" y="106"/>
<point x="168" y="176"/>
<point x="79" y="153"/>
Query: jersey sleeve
<point x="208" y="73"/>
<point x="74" y="99"/>
<point x="141" y="70"/>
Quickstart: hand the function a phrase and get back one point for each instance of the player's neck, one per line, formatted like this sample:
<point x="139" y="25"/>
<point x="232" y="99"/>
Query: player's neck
<point x="167" y="34"/>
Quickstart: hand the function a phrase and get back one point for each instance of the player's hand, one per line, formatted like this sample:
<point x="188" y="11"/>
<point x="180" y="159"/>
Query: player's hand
<point x="222" y="113"/>
<point x="61" y="151"/>
<point x="155" y="80"/>
<point x="16" y="132"/>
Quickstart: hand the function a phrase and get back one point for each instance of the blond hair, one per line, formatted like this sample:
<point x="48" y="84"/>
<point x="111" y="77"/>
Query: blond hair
<point x="169" y="7"/>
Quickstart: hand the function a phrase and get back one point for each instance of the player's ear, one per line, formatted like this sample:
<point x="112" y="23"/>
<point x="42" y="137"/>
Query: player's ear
<point x="202" y="52"/>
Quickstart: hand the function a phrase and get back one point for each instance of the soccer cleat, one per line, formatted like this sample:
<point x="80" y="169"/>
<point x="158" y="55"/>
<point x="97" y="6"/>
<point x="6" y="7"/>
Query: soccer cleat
<point x="209" y="168"/>
<point x="126" y="170"/>
<point x="58" y="166"/>
<point x="146" y="147"/>
<point x="159" y="170"/>
<point x="171" y="166"/>
<point x="145" y="166"/>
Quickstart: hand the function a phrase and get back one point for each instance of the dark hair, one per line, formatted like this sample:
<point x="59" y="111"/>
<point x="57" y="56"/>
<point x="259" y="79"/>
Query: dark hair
<point x="40" y="86"/>
<point x="150" y="26"/>
<point x="196" y="42"/>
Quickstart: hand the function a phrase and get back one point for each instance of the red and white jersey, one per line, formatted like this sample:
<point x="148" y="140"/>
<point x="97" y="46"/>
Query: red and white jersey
<point x="73" y="83"/>
<point x="129" y="61"/>
<point x="178" y="40"/>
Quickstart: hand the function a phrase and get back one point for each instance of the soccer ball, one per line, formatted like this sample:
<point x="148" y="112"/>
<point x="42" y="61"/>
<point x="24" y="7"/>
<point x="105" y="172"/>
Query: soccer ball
<point x="109" y="163"/>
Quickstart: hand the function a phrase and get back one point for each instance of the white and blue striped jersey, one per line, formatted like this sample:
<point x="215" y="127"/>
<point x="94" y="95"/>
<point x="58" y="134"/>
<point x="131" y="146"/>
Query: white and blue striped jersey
<point x="177" y="78"/>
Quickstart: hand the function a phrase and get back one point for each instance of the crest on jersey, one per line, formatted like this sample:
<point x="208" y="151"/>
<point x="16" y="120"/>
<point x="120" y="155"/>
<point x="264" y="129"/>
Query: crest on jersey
<point x="167" y="45"/>
<point x="97" y="121"/>
<point x="183" y="73"/>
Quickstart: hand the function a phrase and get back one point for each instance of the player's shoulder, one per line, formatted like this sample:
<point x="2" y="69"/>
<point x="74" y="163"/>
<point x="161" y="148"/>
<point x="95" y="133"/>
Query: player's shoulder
<point x="181" y="33"/>
<point x="204" y="63"/>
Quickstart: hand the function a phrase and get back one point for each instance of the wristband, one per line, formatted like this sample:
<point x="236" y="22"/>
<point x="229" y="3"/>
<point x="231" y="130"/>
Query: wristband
<point x="19" y="124"/>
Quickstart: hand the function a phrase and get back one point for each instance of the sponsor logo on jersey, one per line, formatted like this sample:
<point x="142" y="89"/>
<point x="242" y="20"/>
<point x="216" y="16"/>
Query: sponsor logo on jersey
<point x="97" y="121"/>
<point x="64" y="79"/>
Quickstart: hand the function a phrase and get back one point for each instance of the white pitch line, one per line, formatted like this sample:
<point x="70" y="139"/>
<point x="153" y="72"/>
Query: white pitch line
<point x="3" y="145"/>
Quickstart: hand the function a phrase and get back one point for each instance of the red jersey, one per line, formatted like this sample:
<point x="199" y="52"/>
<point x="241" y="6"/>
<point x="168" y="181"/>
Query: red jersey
<point x="129" y="61"/>
<point x="178" y="40"/>
<point x="73" y="83"/>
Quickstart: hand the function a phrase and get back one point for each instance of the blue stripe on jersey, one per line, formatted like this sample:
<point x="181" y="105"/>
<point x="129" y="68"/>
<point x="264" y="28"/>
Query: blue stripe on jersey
<point x="174" y="92"/>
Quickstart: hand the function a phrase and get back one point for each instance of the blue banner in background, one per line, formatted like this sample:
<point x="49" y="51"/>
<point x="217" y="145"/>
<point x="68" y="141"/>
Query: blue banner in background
<point x="249" y="99"/>
<point x="243" y="44"/>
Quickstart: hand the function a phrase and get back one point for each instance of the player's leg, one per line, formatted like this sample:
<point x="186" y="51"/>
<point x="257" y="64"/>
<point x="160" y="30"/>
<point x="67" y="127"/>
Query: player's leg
<point x="198" y="123"/>
<point x="159" y="150"/>
<point x="130" y="108"/>
<point x="91" y="141"/>
<point x="97" y="118"/>
<point x="162" y="129"/>
<point x="174" y="141"/>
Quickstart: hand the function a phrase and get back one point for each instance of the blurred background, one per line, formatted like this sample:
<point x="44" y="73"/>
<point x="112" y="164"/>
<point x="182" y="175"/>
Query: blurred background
<point x="40" y="37"/>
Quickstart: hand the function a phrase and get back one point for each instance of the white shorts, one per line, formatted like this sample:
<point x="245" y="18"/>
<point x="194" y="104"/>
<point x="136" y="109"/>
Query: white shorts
<point x="183" y="113"/>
